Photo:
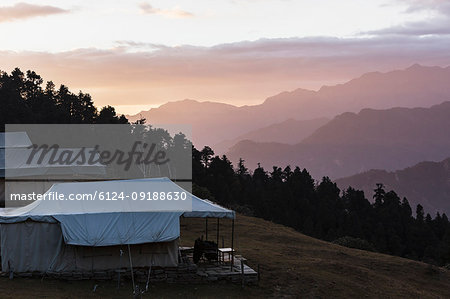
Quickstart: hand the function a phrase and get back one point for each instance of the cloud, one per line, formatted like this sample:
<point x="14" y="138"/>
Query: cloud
<point x="435" y="14"/>
<point x="423" y="28"/>
<point x="141" y="45"/>
<point x="24" y="11"/>
<point x="171" y="13"/>
<point x="238" y="73"/>
<point x="440" y="6"/>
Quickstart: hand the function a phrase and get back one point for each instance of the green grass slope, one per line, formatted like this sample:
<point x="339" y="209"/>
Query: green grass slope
<point x="292" y="265"/>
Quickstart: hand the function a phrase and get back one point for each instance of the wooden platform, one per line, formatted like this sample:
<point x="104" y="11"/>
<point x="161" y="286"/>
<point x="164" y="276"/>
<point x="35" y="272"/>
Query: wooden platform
<point x="185" y="272"/>
<point x="222" y="270"/>
<point x="214" y="271"/>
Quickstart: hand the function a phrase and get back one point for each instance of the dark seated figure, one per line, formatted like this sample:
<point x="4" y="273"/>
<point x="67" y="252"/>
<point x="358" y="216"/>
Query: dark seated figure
<point x="206" y="249"/>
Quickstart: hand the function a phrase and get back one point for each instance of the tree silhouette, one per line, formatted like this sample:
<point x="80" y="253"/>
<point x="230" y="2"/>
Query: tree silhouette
<point x="24" y="100"/>
<point x="293" y="198"/>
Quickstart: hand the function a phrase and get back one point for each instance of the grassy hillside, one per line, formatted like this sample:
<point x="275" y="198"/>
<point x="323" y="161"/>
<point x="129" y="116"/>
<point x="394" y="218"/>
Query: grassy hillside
<point x="292" y="264"/>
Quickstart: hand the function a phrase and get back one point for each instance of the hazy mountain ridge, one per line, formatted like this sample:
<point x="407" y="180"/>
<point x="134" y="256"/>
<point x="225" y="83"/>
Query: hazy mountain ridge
<point x="427" y="183"/>
<point x="417" y="86"/>
<point x="352" y="143"/>
<point x="290" y="131"/>
<point x="372" y="126"/>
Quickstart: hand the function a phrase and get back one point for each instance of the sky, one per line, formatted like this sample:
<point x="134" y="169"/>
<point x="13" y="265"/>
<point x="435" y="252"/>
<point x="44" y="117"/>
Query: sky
<point x="135" y="55"/>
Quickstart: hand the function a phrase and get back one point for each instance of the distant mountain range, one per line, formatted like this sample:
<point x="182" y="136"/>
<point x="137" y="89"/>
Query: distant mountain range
<point x="352" y="143"/>
<point x="292" y="128"/>
<point x="290" y="131"/>
<point x="416" y="86"/>
<point x="427" y="183"/>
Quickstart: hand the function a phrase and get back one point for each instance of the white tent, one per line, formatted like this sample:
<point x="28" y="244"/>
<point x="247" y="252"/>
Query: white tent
<point x="50" y="235"/>
<point x="14" y="140"/>
<point x="20" y="162"/>
<point x="15" y="152"/>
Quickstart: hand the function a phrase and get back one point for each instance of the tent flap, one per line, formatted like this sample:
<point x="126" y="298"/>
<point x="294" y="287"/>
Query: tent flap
<point x="119" y="228"/>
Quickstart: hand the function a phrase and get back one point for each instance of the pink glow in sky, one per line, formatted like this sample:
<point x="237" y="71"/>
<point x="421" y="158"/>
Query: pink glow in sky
<point x="137" y="55"/>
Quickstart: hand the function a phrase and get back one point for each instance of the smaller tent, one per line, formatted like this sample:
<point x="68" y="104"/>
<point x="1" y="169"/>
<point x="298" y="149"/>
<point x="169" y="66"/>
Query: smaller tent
<point x="14" y="140"/>
<point x="24" y="172"/>
<point x="79" y="235"/>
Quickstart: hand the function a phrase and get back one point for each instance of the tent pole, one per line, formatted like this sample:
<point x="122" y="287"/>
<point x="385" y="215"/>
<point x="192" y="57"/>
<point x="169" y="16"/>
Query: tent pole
<point x="217" y="239"/>
<point x="131" y="265"/>
<point x="232" y="244"/>
<point x="206" y="228"/>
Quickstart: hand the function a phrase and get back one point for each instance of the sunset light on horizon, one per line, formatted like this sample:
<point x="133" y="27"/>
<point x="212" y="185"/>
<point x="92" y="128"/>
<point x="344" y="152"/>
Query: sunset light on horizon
<point x="138" y="55"/>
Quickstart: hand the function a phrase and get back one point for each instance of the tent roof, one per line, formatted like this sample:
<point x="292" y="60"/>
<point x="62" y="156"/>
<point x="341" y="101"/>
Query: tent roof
<point x="202" y="208"/>
<point x="100" y="223"/>
<point x="14" y="155"/>
<point x="14" y="139"/>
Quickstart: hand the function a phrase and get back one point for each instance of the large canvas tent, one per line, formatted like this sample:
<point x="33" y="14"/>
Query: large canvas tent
<point x="64" y="236"/>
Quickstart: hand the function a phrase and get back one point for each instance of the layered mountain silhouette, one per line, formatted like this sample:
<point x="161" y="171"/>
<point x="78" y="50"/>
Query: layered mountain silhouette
<point x="352" y="143"/>
<point x="427" y="183"/>
<point x="416" y="86"/>
<point x="290" y="131"/>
